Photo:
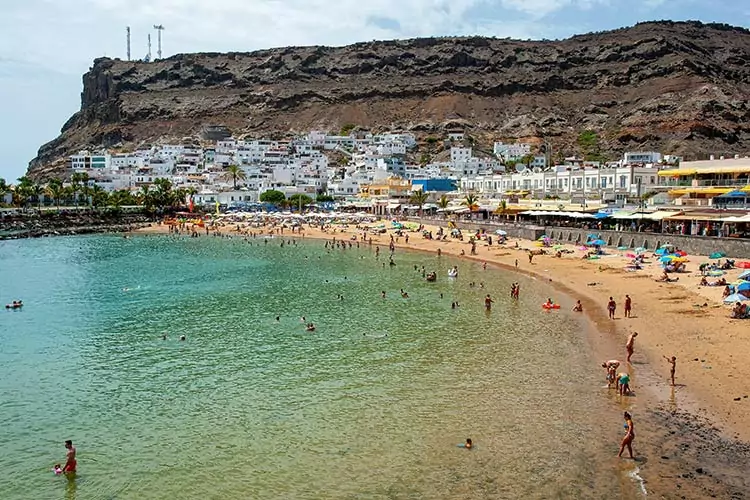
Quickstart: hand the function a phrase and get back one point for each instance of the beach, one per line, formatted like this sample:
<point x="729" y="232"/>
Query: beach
<point x="710" y="400"/>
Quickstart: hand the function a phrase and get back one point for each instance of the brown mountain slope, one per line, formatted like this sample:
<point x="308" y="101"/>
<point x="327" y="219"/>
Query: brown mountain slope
<point x="678" y="87"/>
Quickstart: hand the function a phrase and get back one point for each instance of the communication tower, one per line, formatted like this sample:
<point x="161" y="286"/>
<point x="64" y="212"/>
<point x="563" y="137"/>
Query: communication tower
<point x="159" y="28"/>
<point x="148" y="54"/>
<point x="127" y="30"/>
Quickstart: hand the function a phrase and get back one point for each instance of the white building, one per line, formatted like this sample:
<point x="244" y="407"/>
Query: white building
<point x="645" y="158"/>
<point x="511" y="151"/>
<point x="459" y="155"/>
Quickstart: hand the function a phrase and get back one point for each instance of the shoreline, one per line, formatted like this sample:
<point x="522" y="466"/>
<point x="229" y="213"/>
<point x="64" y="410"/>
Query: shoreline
<point x="678" y="417"/>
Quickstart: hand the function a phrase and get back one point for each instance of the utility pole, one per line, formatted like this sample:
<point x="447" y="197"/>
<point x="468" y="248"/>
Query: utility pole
<point x="127" y="31"/>
<point x="148" y="55"/>
<point x="159" y="28"/>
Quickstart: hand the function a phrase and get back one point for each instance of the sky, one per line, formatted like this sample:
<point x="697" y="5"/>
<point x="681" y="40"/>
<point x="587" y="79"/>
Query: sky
<point x="47" y="45"/>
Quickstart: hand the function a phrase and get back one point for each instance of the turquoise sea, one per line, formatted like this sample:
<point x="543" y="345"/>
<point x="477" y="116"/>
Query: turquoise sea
<point x="371" y="405"/>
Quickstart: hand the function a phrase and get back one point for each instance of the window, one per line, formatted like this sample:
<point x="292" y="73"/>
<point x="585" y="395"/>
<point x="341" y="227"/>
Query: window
<point x="623" y="180"/>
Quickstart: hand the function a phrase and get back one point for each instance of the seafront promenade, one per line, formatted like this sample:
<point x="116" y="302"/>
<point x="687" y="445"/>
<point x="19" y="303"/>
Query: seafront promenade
<point x="693" y="244"/>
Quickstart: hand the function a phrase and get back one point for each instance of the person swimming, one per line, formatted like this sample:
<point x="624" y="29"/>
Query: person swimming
<point x="468" y="444"/>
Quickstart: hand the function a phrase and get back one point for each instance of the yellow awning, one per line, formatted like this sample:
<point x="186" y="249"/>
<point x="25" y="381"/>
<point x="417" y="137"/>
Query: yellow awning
<point x="676" y="172"/>
<point x="708" y="191"/>
<point x="746" y="188"/>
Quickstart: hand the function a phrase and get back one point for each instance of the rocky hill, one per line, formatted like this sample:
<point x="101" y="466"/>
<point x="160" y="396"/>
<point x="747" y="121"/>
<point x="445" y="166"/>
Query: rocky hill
<point x="680" y="87"/>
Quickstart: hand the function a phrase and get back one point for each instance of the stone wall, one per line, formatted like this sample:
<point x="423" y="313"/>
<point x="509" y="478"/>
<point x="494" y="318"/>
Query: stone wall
<point x="696" y="245"/>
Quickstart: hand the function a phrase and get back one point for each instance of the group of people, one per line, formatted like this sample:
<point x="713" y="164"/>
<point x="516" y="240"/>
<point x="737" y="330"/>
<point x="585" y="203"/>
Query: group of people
<point x="16" y="304"/>
<point x="612" y="307"/>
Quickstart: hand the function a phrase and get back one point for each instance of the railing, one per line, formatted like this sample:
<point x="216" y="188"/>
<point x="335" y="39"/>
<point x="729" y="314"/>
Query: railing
<point x="707" y="183"/>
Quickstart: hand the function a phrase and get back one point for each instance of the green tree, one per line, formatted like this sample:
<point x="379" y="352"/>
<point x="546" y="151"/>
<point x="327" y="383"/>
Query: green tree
<point x="526" y="160"/>
<point x="324" y="198"/>
<point x="589" y="142"/>
<point x="163" y="196"/>
<point x="37" y="192"/>
<point x="299" y="200"/>
<point x="119" y="198"/>
<point x="273" y="197"/>
<point x="77" y="181"/>
<point x="23" y="191"/>
<point x="146" y="197"/>
<point x="471" y="202"/>
<point x="424" y="159"/>
<point x="4" y="188"/>
<point x="98" y="196"/>
<point x="55" y="190"/>
<point x="233" y="173"/>
<point x="419" y="198"/>
<point x="347" y="128"/>
<point x="443" y="202"/>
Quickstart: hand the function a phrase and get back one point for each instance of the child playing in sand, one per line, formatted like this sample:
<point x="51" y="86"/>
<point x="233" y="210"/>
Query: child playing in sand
<point x="673" y="364"/>
<point x="578" y="307"/>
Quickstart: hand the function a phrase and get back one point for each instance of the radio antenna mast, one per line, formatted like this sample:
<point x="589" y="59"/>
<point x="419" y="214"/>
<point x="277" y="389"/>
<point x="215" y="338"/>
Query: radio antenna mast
<point x="159" y="28"/>
<point x="127" y="30"/>
<point x="148" y="55"/>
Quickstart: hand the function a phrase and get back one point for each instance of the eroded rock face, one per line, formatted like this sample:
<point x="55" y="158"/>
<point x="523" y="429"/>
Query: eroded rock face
<point x="678" y="87"/>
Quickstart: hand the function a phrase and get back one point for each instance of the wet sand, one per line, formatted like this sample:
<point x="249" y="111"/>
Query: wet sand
<point x="690" y="438"/>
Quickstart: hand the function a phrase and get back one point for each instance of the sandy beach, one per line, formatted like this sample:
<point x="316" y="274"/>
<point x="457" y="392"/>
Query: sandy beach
<point x="679" y="319"/>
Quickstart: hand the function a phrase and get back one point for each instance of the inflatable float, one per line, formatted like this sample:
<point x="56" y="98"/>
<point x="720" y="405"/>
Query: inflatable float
<point x="550" y="306"/>
<point x="431" y="277"/>
<point x="453" y="273"/>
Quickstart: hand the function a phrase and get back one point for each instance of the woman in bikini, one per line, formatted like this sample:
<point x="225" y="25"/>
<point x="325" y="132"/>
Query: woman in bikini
<point x="627" y="441"/>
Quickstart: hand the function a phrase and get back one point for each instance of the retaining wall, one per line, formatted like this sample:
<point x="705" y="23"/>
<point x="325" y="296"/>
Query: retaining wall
<point x="697" y="245"/>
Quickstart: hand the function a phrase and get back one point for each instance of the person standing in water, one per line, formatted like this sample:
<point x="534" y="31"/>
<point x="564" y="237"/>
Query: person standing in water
<point x="627" y="441"/>
<point x="488" y="302"/>
<point x="672" y="366"/>
<point x="70" y="457"/>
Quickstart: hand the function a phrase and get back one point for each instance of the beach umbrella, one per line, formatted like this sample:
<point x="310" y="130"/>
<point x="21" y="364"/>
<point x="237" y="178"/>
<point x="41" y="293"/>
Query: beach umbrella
<point x="668" y="258"/>
<point x="743" y="287"/>
<point x="598" y="243"/>
<point x="661" y="251"/>
<point x="735" y="297"/>
<point x="717" y="255"/>
<point x="622" y="248"/>
<point x="630" y="255"/>
<point x="680" y="253"/>
<point x="640" y="250"/>
<point x="744" y="275"/>
<point x="501" y="232"/>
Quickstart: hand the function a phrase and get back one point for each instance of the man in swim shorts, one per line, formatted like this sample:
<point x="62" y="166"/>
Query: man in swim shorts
<point x="70" y="460"/>
<point x="488" y="302"/>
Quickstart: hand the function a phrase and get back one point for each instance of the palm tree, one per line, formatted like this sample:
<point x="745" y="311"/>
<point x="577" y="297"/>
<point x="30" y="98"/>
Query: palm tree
<point x="443" y="202"/>
<point x="502" y="208"/>
<point x="234" y="173"/>
<point x="146" y="197"/>
<point x="472" y="202"/>
<point x="23" y="191"/>
<point x="419" y="198"/>
<point x="55" y="190"/>
<point x="37" y="191"/>
<point x="4" y="188"/>
<point x="77" y="180"/>
<point x="163" y="193"/>
<point x="98" y="196"/>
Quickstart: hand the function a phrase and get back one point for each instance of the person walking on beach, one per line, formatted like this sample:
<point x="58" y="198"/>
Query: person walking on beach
<point x="611" y="366"/>
<point x="628" y="305"/>
<point x="611" y="307"/>
<point x="488" y="302"/>
<point x="672" y="366"/>
<point x="70" y="457"/>
<point x="630" y="345"/>
<point x="627" y="441"/>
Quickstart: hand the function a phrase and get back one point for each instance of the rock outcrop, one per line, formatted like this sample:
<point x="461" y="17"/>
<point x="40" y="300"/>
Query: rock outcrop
<point x="679" y="87"/>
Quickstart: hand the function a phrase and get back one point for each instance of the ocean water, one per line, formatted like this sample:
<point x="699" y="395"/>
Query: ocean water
<point x="371" y="405"/>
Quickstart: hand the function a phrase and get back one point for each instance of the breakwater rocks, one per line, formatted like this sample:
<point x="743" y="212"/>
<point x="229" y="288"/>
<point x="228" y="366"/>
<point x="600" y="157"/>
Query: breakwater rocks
<point x="35" y="225"/>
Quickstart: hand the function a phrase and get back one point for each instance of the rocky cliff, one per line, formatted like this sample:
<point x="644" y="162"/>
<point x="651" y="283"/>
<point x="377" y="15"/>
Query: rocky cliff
<point x="680" y="87"/>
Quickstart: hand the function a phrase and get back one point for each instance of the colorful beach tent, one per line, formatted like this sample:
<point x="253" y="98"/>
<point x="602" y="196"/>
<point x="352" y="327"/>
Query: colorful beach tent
<point x="717" y="255"/>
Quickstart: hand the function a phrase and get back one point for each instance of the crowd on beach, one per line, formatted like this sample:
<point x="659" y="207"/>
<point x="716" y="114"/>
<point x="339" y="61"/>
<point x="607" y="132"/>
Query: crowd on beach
<point x="348" y="236"/>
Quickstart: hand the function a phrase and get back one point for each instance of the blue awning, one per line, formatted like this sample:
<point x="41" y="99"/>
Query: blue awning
<point x="735" y="194"/>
